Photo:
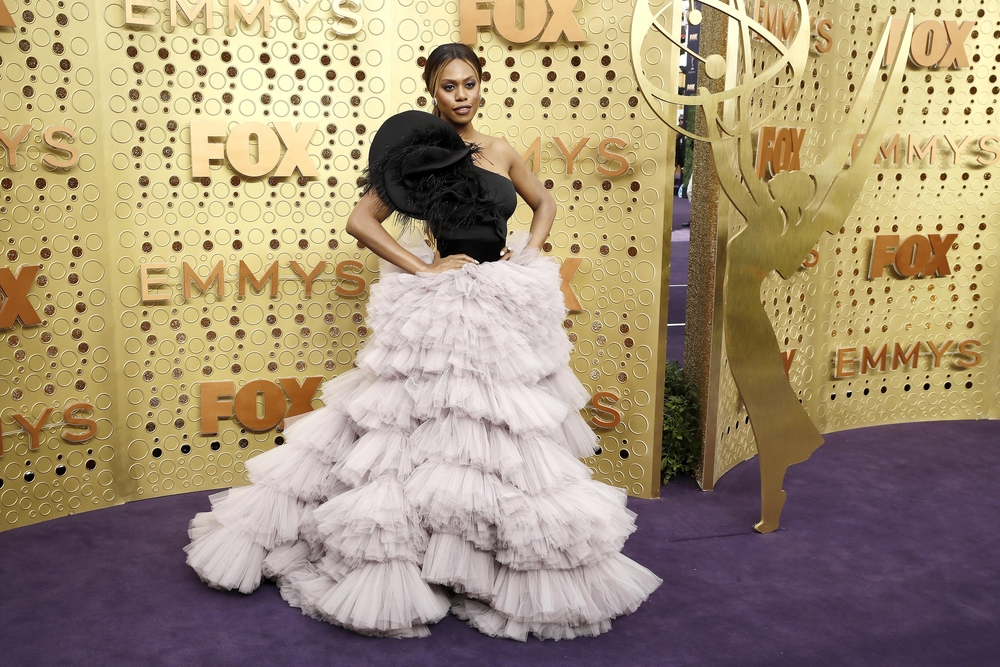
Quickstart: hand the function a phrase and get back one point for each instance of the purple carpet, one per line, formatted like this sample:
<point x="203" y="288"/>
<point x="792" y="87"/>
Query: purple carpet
<point x="887" y="555"/>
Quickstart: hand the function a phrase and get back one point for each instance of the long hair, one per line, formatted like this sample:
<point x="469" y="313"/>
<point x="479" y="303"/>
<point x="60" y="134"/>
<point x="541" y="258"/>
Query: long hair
<point x="439" y="59"/>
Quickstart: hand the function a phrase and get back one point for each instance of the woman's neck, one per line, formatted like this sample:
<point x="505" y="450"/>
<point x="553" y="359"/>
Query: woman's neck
<point x="466" y="131"/>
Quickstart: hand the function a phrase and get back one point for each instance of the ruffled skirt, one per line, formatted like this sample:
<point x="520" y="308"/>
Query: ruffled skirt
<point x="441" y="474"/>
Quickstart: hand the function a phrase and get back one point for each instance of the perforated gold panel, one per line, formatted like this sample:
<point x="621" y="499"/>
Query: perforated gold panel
<point x="936" y="292"/>
<point x="134" y="323"/>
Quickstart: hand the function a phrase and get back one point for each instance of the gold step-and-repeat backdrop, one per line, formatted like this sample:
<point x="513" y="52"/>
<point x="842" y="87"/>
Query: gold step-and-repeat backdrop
<point x="174" y="182"/>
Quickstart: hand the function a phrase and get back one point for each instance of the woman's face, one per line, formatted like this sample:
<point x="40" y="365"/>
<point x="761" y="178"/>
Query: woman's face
<point x="457" y="93"/>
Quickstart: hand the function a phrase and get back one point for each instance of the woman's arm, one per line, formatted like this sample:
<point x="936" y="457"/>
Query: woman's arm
<point x="535" y="195"/>
<point x="365" y="224"/>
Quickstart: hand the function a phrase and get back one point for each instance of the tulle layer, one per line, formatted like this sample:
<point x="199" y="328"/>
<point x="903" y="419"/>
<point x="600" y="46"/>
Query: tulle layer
<point x="374" y="522"/>
<point x="455" y="562"/>
<point x="223" y="558"/>
<point x="447" y="461"/>
<point x="498" y="321"/>
<point x="378" y="598"/>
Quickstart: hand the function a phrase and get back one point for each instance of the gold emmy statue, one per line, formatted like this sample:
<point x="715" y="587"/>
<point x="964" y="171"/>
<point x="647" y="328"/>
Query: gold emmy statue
<point x="785" y="215"/>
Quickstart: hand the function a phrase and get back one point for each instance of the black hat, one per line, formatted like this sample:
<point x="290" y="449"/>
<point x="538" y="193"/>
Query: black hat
<point x="421" y="168"/>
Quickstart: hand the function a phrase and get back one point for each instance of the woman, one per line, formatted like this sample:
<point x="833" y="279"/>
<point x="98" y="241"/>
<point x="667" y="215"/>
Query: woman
<point x="443" y="473"/>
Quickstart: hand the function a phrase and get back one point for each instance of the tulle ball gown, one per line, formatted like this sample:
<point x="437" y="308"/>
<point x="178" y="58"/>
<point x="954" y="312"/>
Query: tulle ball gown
<point x="442" y="473"/>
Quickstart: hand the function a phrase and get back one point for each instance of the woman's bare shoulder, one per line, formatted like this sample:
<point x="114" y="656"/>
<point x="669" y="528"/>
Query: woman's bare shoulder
<point x="496" y="142"/>
<point x="498" y="150"/>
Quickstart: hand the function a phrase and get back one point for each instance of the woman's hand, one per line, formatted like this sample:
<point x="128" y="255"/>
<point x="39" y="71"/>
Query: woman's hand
<point x="449" y="263"/>
<point x="505" y="254"/>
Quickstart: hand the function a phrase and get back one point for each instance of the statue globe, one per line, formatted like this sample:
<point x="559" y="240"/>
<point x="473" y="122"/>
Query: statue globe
<point x="653" y="31"/>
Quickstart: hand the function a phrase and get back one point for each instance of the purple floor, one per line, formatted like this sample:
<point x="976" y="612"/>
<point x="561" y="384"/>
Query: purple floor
<point x="887" y="555"/>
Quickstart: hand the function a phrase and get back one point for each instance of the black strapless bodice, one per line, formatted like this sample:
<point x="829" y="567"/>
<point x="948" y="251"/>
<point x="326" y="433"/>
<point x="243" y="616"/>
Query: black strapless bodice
<point x="484" y="239"/>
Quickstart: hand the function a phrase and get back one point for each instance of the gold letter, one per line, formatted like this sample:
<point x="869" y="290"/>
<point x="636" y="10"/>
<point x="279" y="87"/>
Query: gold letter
<point x="956" y="150"/>
<point x="308" y="278"/>
<point x="930" y="41"/>
<point x="786" y="26"/>
<point x="212" y="408"/>
<point x="787" y="357"/>
<point x="965" y="349"/>
<point x="983" y="147"/>
<point x="273" y="404"/>
<point x="571" y="156"/>
<point x="238" y="149"/>
<point x="505" y="19"/>
<point x="215" y="276"/>
<point x="6" y="21"/>
<point x="33" y="430"/>
<point x="146" y="281"/>
<point x="341" y="11"/>
<point x="823" y="28"/>
<point x="16" y="305"/>
<point x="567" y="270"/>
<point x="955" y="55"/>
<point x="471" y="17"/>
<point x="203" y="149"/>
<point x="13" y="143"/>
<point x="883" y="254"/>
<point x="535" y="155"/>
<point x="607" y="408"/>
<point x="341" y="271"/>
<point x="296" y="157"/>
<point x="783" y="154"/>
<point x="913" y="149"/>
<point x="895" y="32"/>
<point x="132" y="19"/>
<point x="891" y="145"/>
<point x="191" y="12"/>
<point x="870" y="362"/>
<point x="260" y="7"/>
<point x="859" y="139"/>
<point x="302" y="13"/>
<point x="939" y="255"/>
<point x="771" y="19"/>
<point x="938" y="352"/>
<point x="51" y="142"/>
<point x="912" y="256"/>
<point x="845" y="363"/>
<point x="563" y="22"/>
<point x="300" y="395"/>
<point x="70" y="418"/>
<point x="765" y="148"/>
<point x="909" y="358"/>
<point x="798" y="134"/>
<point x="246" y="274"/>
<point x="602" y="150"/>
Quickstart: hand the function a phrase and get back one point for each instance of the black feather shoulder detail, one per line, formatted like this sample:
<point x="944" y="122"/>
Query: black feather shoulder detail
<point x="421" y="169"/>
